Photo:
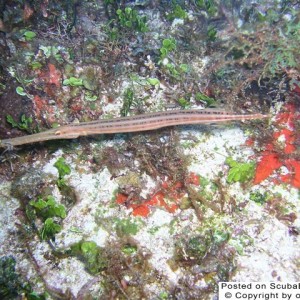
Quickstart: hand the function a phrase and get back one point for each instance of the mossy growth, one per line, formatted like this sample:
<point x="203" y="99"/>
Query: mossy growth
<point x="91" y="255"/>
<point x="63" y="170"/>
<point x="129" y="249"/>
<point x="73" y="81"/>
<point x="212" y="33"/>
<point x="258" y="197"/>
<point x="66" y="191"/>
<point x="130" y="178"/>
<point x="24" y="124"/>
<point x="240" y="242"/>
<point x="208" y="251"/>
<point x="49" y="229"/>
<point x="48" y="208"/>
<point x="116" y="261"/>
<point x="210" y="6"/>
<point x="168" y="45"/>
<point x="240" y="172"/>
<point x="11" y="284"/>
<point x="130" y="19"/>
<point x="177" y="12"/>
<point x="129" y="100"/>
<point x="199" y="246"/>
<point x="207" y="188"/>
<point x="125" y="227"/>
<point x="49" y="211"/>
<point x="208" y="101"/>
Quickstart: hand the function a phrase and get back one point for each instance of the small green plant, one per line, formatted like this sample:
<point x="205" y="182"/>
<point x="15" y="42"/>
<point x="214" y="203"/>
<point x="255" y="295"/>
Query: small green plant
<point x="63" y="170"/>
<point x="176" y="72"/>
<point x="91" y="255"/>
<point x="198" y="246"/>
<point x="73" y="81"/>
<point x="183" y="102"/>
<point x="240" y="242"/>
<point x="20" y="91"/>
<point x="129" y="100"/>
<point x="220" y="236"/>
<point x="163" y="296"/>
<point x="129" y="249"/>
<point x="11" y="285"/>
<point x="281" y="52"/>
<point x="284" y="58"/>
<point x="212" y="33"/>
<point x="24" y="124"/>
<point x="9" y="281"/>
<point x="172" y="70"/>
<point x="130" y="19"/>
<point x="49" y="229"/>
<point x="177" y="13"/>
<point x="90" y="97"/>
<point x="126" y="227"/>
<point x="15" y="74"/>
<point x="240" y="172"/>
<point x="259" y="198"/>
<point x="208" y="101"/>
<point x="153" y="81"/>
<point x="35" y="65"/>
<point x="168" y="45"/>
<point x="208" y="240"/>
<point x="46" y="210"/>
<point x="184" y="68"/>
<point x="29" y="35"/>
<point x="52" y="51"/>
<point x="208" y="5"/>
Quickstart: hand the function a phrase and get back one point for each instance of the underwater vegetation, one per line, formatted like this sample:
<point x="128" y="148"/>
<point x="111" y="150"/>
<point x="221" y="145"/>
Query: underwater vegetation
<point x="282" y="150"/>
<point x="12" y="286"/>
<point x="160" y="215"/>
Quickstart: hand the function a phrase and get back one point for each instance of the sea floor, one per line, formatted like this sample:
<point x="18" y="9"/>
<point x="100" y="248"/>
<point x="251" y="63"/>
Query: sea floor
<point x="163" y="214"/>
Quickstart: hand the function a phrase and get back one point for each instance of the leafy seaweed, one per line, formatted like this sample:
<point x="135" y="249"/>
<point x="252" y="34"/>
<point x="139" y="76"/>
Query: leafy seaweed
<point x="153" y="81"/>
<point x="129" y="18"/>
<point x="126" y="227"/>
<point x="212" y="33"/>
<point x="91" y="255"/>
<point x="11" y="285"/>
<point x="259" y="198"/>
<point x="129" y="249"/>
<point x="20" y="91"/>
<point x="203" y="98"/>
<point x="183" y="102"/>
<point x="208" y="5"/>
<point x="29" y="35"/>
<point x="168" y="45"/>
<point x="129" y="99"/>
<point x="73" y="81"/>
<point x="24" y="124"/>
<point x="48" y="208"/>
<point x="239" y="172"/>
<point x="283" y="53"/>
<point x="177" y="13"/>
<point x="50" y="228"/>
<point x="63" y="170"/>
<point x="62" y="167"/>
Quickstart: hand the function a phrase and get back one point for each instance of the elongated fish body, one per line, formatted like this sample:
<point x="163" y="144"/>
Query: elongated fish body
<point x="136" y="123"/>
